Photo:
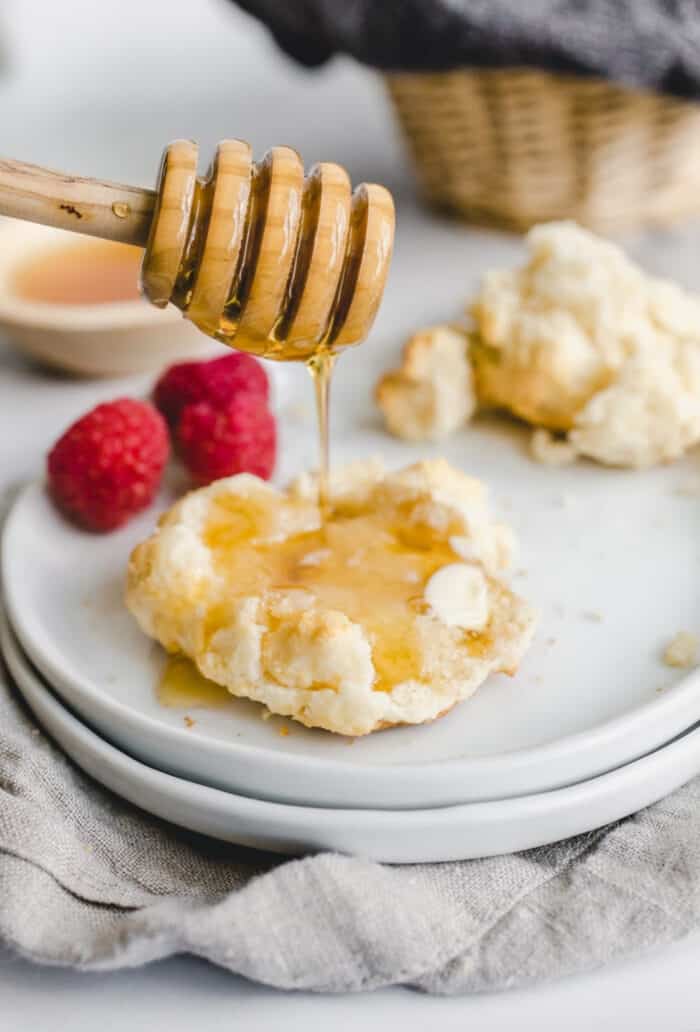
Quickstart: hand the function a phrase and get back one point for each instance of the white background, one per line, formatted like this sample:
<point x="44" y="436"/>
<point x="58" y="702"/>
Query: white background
<point x="98" y="88"/>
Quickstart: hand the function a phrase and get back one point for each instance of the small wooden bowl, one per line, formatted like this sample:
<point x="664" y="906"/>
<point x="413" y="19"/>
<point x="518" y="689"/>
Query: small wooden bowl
<point x="105" y="339"/>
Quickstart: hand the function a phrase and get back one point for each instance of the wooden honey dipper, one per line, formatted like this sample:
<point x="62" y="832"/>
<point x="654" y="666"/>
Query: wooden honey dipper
<point x="255" y="254"/>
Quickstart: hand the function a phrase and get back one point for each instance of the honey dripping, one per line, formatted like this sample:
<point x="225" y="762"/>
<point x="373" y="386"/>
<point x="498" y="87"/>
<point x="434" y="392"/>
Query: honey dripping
<point x="292" y="268"/>
<point x="321" y="367"/>
<point x="271" y="261"/>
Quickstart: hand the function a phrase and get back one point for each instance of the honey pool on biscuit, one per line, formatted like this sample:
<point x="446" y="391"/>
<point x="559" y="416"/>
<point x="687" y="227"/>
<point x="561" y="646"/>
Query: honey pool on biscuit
<point x="385" y="607"/>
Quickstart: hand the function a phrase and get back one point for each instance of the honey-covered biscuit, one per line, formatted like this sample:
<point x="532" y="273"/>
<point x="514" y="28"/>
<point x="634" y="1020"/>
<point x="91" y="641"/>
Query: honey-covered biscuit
<point x="389" y="612"/>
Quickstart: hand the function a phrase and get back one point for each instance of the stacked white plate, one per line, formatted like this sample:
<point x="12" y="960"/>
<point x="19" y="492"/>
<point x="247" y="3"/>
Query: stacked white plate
<point x="592" y="728"/>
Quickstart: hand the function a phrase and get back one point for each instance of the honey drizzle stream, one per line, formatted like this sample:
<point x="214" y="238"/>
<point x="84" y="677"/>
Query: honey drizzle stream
<point x="320" y="365"/>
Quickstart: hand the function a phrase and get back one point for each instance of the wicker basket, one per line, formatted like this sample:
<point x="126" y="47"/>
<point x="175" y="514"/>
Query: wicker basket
<point x="518" y="146"/>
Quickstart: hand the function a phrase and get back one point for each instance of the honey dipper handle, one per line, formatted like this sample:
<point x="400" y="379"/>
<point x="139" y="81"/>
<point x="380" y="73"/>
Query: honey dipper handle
<point x="88" y="206"/>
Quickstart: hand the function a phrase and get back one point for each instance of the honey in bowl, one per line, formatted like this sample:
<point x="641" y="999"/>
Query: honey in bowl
<point x="88" y="272"/>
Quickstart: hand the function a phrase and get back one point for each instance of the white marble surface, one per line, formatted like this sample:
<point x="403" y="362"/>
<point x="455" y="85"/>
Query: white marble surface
<point x="657" y="994"/>
<point x="98" y="88"/>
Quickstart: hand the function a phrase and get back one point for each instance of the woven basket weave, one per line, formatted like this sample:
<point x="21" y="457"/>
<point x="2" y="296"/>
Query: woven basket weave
<point x="517" y="146"/>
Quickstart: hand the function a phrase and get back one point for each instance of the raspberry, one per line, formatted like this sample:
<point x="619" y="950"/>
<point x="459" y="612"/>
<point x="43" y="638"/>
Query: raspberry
<point x="233" y="374"/>
<point x="107" y="466"/>
<point x="178" y="386"/>
<point x="240" y="437"/>
<point x="217" y="381"/>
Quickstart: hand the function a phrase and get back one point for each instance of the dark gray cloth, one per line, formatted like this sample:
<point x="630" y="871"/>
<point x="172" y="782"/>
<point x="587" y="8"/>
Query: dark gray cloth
<point x="646" y="43"/>
<point x="89" y="881"/>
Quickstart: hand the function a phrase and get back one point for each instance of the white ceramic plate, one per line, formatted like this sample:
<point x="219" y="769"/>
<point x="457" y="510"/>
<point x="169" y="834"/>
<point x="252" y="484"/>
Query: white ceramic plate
<point x="392" y="836"/>
<point x="586" y="699"/>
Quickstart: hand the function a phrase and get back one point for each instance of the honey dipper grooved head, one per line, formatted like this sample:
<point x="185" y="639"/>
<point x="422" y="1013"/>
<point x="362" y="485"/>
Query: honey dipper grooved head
<point x="262" y="257"/>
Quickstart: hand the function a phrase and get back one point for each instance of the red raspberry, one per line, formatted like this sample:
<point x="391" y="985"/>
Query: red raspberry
<point x="240" y="437"/>
<point x="233" y="374"/>
<point x="178" y="386"/>
<point x="107" y="466"/>
<point x="217" y="381"/>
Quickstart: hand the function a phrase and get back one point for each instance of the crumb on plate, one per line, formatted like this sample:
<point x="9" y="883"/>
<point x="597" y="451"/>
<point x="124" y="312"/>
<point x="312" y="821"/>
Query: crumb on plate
<point x="550" y="450"/>
<point x="682" y="650"/>
<point x="592" y="615"/>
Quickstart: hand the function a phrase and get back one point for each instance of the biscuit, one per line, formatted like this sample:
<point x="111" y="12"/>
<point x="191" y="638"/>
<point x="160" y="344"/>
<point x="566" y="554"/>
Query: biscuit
<point x="342" y="625"/>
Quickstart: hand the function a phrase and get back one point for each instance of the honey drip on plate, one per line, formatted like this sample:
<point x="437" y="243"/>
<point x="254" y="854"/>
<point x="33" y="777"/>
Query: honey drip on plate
<point x="181" y="686"/>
